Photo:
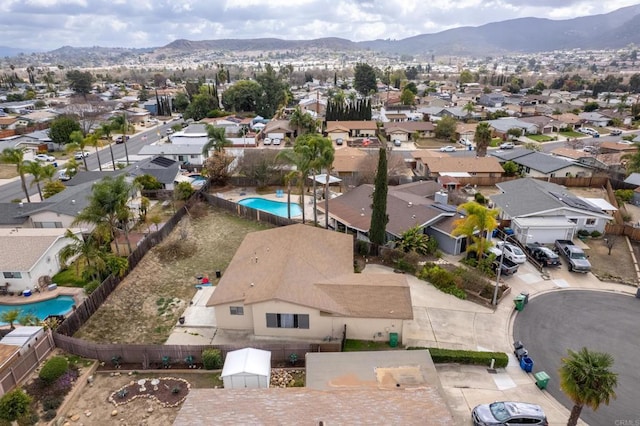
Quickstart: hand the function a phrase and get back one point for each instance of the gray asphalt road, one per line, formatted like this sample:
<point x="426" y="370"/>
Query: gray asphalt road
<point x="13" y="190"/>
<point x="554" y="322"/>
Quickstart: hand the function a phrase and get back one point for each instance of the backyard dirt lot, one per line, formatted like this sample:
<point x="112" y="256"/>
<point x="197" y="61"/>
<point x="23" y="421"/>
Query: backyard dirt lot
<point x="147" y="304"/>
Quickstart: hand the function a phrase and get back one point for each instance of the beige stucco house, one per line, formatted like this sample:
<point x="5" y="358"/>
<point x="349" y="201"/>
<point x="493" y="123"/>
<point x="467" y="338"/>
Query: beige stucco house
<point x="347" y="130"/>
<point x="297" y="282"/>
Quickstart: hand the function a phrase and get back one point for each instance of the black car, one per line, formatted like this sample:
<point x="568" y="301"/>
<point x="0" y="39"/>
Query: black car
<point x="543" y="255"/>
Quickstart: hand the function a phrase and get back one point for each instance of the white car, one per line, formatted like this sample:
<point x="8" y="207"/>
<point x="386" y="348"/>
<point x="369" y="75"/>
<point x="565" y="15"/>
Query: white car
<point x="507" y="145"/>
<point x="44" y="157"/>
<point x="512" y="252"/>
<point x="79" y="155"/>
<point x="267" y="141"/>
<point x="276" y="141"/>
<point x="465" y="142"/>
<point x="448" y="148"/>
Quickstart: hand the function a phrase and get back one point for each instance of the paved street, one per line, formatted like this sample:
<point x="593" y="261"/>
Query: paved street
<point x="554" y="322"/>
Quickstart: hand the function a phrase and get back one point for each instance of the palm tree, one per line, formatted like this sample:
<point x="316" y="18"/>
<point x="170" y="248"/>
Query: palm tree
<point x="302" y="121"/>
<point x="119" y="124"/>
<point x="217" y="140"/>
<point x="586" y="378"/>
<point x="10" y="317"/>
<point x="287" y="180"/>
<point x="78" y="143"/>
<point x="94" y="141"/>
<point x="105" y="131"/>
<point x="482" y="138"/>
<point x="319" y="152"/>
<point x="35" y="169"/>
<point x="302" y="166"/>
<point x="83" y="250"/>
<point x="469" y="108"/>
<point x="326" y="161"/>
<point x="16" y="156"/>
<point x="479" y="221"/>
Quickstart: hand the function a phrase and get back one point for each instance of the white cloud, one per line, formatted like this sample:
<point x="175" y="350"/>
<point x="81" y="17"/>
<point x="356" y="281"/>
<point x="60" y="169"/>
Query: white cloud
<point x="49" y="24"/>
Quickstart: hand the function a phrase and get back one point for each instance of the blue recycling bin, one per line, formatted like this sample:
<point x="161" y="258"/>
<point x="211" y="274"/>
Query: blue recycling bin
<point x="526" y="364"/>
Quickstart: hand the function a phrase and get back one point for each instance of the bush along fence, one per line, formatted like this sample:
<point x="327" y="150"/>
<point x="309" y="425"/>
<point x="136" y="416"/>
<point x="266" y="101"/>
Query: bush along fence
<point x="448" y="356"/>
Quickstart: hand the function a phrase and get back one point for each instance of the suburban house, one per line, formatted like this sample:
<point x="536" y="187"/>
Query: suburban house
<point x="137" y="115"/>
<point x="347" y="130"/>
<point x="309" y="293"/>
<point x="33" y="141"/>
<point x="278" y="129"/>
<point x="543" y="123"/>
<point x="567" y="120"/>
<point x="421" y="204"/>
<point x="594" y="119"/>
<point x="501" y="126"/>
<point x="406" y="130"/>
<point x="8" y="123"/>
<point x="433" y="166"/>
<point x="194" y="134"/>
<point x="538" y="164"/>
<point x="163" y="169"/>
<point x="492" y="100"/>
<point x="543" y="212"/>
<point x="184" y="154"/>
<point x="34" y="253"/>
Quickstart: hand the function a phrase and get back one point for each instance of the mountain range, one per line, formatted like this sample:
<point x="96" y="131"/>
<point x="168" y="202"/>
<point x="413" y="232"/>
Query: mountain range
<point x="612" y="30"/>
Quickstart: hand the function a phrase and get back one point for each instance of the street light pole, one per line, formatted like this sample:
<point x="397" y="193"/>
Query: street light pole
<point x="494" y="302"/>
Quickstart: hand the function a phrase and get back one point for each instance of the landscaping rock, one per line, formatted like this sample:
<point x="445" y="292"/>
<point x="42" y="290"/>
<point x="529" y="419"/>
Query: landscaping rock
<point x="114" y="413"/>
<point x="74" y="417"/>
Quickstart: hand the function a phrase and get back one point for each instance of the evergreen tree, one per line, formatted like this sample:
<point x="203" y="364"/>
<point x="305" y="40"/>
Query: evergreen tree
<point x="379" y="217"/>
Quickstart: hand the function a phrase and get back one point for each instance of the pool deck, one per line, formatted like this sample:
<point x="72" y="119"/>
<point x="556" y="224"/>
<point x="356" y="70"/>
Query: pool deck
<point x="76" y="293"/>
<point x="238" y="194"/>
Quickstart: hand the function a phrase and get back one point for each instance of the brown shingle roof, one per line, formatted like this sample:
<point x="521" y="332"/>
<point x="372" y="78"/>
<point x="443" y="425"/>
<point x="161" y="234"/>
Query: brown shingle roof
<point x="27" y="246"/>
<point x="351" y="125"/>
<point x="410" y="126"/>
<point x="349" y="159"/>
<point x="302" y="406"/>
<point x="462" y="164"/>
<point x="311" y="272"/>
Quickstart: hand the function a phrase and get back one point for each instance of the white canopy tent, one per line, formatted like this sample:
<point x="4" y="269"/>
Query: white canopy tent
<point x="322" y="179"/>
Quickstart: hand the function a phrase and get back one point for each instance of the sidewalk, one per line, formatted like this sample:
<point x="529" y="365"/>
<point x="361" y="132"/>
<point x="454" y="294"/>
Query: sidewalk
<point x="443" y="321"/>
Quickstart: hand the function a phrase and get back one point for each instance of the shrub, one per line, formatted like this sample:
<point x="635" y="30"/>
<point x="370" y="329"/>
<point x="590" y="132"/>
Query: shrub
<point x="583" y="233"/>
<point x="29" y="419"/>
<point x="443" y="280"/>
<point x="479" y="198"/>
<point x="91" y="286"/>
<point x="54" y="369"/>
<point x="49" y="415"/>
<point x="595" y="234"/>
<point x="52" y="402"/>
<point x="362" y="248"/>
<point x="444" y="356"/>
<point x="624" y="195"/>
<point x="212" y="359"/>
<point x="14" y="404"/>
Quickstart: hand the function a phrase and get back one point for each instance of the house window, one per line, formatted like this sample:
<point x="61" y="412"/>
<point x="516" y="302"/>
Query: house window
<point x="47" y="224"/>
<point x="573" y="220"/>
<point x="590" y="222"/>
<point x="12" y="274"/>
<point x="193" y="156"/>
<point x="287" y="321"/>
<point x="236" y="310"/>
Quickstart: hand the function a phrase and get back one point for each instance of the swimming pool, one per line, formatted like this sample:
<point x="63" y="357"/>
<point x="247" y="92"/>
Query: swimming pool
<point x="42" y="309"/>
<point x="274" y="207"/>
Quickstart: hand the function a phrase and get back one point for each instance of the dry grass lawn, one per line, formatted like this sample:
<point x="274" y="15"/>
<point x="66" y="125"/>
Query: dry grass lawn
<point x="147" y="304"/>
<point x="8" y="171"/>
<point x="616" y="267"/>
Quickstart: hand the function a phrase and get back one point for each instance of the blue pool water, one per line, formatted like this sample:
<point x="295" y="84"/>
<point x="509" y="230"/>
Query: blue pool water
<point x="42" y="309"/>
<point x="274" y="207"/>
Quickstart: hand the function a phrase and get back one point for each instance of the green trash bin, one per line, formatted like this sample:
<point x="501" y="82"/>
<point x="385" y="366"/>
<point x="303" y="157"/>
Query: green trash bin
<point x="542" y="379"/>
<point x="393" y="339"/>
<point x="519" y="302"/>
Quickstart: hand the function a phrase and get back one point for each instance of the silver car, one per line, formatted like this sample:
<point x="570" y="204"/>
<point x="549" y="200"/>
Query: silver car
<point x="508" y="413"/>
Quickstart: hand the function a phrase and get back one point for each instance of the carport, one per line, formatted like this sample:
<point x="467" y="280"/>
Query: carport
<point x="543" y="230"/>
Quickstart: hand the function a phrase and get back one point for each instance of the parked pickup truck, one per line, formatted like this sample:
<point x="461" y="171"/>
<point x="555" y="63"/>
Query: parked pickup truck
<point x="543" y="255"/>
<point x="508" y="267"/>
<point x="575" y="256"/>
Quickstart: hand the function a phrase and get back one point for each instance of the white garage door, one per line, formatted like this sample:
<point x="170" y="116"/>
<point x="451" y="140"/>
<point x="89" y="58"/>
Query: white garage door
<point x="547" y="236"/>
<point x="276" y="135"/>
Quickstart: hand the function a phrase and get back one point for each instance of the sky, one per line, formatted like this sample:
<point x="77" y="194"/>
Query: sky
<point x="50" y="24"/>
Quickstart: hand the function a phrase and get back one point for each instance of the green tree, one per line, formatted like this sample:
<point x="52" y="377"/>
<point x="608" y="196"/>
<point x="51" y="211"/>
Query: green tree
<point x="80" y="82"/>
<point x="183" y="191"/>
<point x="365" y="79"/>
<point x="482" y="138"/>
<point x="469" y="108"/>
<point x="36" y="169"/>
<point x="217" y="140"/>
<point x="446" y="128"/>
<point x="302" y="122"/>
<point x="414" y="240"/>
<point x="181" y="102"/>
<point x="119" y="124"/>
<point x="407" y="97"/>
<point x="319" y="151"/>
<point x="52" y="188"/>
<point x="466" y="77"/>
<point x="590" y="106"/>
<point x="379" y="217"/>
<point x="148" y="182"/>
<point x="14" y="404"/>
<point x="200" y="106"/>
<point x="301" y="162"/>
<point x="10" y="317"/>
<point x="514" y="132"/>
<point x="85" y="251"/>
<point x="61" y="129"/>
<point x="510" y="168"/>
<point x="16" y="156"/>
<point x="273" y="94"/>
<point x="243" y="96"/>
<point x="78" y="142"/>
<point x="143" y="95"/>
<point x="586" y="378"/>
<point x="477" y="224"/>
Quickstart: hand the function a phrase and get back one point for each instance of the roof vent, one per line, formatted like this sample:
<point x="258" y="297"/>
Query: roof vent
<point x="410" y="204"/>
<point x="20" y="205"/>
<point x="73" y="201"/>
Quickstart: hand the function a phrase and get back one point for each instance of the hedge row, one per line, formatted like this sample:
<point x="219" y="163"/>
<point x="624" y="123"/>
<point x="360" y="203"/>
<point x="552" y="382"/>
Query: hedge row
<point x="445" y="356"/>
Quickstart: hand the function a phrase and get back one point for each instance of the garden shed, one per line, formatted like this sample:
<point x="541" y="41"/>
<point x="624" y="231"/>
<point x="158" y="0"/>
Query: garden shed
<point x="247" y="368"/>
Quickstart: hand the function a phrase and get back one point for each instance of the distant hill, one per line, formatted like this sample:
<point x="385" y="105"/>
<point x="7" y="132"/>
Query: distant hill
<point x="612" y="30"/>
<point x="261" y="44"/>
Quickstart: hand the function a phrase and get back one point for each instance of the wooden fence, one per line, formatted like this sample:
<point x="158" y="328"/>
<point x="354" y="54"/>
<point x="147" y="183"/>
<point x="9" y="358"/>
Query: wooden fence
<point x="592" y="182"/>
<point x="627" y="230"/>
<point x="19" y="366"/>
<point x="151" y="356"/>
